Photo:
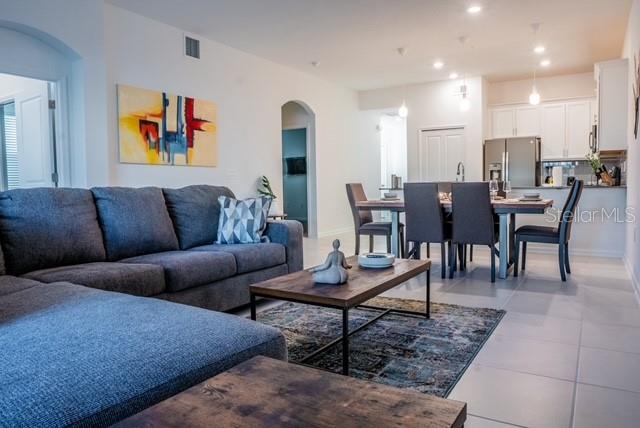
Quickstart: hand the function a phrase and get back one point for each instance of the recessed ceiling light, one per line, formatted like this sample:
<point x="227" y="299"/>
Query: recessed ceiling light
<point x="539" y="49"/>
<point x="473" y="9"/>
<point x="453" y="75"/>
<point x="315" y="63"/>
<point x="438" y="65"/>
<point x="545" y="63"/>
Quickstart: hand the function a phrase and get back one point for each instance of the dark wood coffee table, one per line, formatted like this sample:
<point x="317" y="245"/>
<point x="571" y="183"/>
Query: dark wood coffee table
<point x="364" y="284"/>
<point x="266" y="393"/>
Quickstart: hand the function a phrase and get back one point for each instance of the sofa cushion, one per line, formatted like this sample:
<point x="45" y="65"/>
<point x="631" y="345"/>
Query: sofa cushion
<point x="42" y="228"/>
<point x="195" y="211"/>
<point x="134" y="221"/>
<point x="242" y="222"/>
<point x="77" y="356"/>
<point x="251" y="257"/>
<point x="138" y="279"/>
<point x="186" y="269"/>
<point x="10" y="284"/>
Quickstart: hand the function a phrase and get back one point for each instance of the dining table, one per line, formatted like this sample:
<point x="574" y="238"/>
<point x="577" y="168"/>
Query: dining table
<point x="506" y="209"/>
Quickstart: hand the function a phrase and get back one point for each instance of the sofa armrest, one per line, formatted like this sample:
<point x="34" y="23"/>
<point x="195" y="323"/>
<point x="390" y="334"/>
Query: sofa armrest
<point x="288" y="233"/>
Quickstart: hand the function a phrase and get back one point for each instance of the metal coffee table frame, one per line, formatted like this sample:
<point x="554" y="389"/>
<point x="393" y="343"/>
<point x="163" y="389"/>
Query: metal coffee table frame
<point x="344" y="338"/>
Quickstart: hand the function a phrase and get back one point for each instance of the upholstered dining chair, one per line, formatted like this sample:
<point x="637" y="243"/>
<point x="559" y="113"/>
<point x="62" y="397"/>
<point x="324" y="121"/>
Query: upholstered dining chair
<point x="425" y="222"/>
<point x="559" y="235"/>
<point x="363" y="221"/>
<point x="473" y="221"/>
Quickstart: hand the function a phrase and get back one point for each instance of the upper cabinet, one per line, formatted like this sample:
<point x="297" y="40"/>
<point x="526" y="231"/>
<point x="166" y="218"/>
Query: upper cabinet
<point x="578" y="117"/>
<point x="554" y="123"/>
<point x="564" y="127"/>
<point x="612" y="90"/>
<point x="523" y="121"/>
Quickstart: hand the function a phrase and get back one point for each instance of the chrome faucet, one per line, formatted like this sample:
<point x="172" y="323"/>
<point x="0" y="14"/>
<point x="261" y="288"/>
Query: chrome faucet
<point x="459" y="173"/>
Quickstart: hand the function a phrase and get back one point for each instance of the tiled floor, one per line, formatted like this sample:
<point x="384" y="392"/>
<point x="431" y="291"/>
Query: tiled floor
<point x="565" y="355"/>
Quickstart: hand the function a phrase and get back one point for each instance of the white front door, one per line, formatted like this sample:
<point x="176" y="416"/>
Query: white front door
<point x="35" y="157"/>
<point x="440" y="152"/>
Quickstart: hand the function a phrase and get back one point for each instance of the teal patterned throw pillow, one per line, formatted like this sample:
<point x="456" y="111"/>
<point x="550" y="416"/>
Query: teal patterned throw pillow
<point x="242" y="222"/>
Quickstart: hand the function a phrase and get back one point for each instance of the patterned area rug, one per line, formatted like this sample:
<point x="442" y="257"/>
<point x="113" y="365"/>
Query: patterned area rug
<point x="403" y="351"/>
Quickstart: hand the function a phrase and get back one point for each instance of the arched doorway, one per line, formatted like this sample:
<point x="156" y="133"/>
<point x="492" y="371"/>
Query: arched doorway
<point x="299" y="165"/>
<point x="37" y="85"/>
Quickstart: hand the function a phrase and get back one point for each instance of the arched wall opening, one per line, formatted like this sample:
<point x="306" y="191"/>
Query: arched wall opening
<point x="30" y="53"/>
<point x="299" y="179"/>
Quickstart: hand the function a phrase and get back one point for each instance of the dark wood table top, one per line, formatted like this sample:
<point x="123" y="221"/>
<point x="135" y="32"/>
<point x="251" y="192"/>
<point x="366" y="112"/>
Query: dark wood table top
<point x="499" y="205"/>
<point x="363" y="284"/>
<point x="266" y="393"/>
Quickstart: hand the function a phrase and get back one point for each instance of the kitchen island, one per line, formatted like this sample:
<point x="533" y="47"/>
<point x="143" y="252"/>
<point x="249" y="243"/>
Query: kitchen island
<point x="599" y="227"/>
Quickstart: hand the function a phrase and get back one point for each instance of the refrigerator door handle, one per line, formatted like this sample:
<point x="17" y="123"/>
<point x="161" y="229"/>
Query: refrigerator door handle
<point x="506" y="177"/>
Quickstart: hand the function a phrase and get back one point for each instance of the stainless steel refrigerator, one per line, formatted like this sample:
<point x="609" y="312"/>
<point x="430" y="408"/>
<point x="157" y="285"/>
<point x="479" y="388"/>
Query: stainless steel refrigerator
<point x="514" y="159"/>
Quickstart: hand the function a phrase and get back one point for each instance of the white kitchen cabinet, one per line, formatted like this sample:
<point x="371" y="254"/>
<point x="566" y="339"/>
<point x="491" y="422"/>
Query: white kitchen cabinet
<point x="521" y="121"/>
<point x="578" y="117"/>
<point x="553" y="130"/>
<point x="527" y="121"/>
<point x="612" y="92"/>
<point x="503" y="122"/>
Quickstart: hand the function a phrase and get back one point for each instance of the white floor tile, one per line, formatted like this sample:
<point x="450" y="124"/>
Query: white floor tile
<point x="544" y="304"/>
<point x="538" y="357"/>
<point x="516" y="398"/>
<point x="528" y="326"/>
<point x="609" y="369"/>
<point x="612" y="337"/>
<point x="598" y="407"/>
<point x="477" y="422"/>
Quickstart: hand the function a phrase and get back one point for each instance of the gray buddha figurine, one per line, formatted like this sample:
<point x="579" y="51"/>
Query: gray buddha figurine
<point x="334" y="269"/>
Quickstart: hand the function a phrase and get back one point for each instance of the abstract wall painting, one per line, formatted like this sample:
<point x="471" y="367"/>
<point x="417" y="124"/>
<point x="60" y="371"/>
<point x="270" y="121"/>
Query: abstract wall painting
<point x="161" y="129"/>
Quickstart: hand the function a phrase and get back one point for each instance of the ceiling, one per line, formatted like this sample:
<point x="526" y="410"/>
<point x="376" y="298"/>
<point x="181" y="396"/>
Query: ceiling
<point x="355" y="41"/>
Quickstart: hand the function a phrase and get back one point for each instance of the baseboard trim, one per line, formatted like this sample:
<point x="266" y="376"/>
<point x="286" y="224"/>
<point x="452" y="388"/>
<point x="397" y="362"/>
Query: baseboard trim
<point x="635" y="282"/>
<point x="553" y="249"/>
<point x="334" y="232"/>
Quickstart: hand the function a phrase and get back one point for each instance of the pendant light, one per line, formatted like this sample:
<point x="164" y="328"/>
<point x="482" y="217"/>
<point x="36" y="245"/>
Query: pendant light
<point x="534" y="97"/>
<point x="465" y="102"/>
<point x="403" y="111"/>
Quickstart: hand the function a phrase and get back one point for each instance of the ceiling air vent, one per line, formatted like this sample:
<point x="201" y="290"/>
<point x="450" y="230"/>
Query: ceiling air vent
<point x="191" y="47"/>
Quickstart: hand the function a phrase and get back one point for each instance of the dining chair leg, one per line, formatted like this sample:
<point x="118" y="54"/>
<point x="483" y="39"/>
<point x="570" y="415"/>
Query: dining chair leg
<point x="401" y="244"/>
<point x="371" y="243"/>
<point x="428" y="251"/>
<point x="452" y="259"/>
<point x="357" y="243"/>
<point x="567" y="266"/>
<point x="461" y="257"/>
<point x="388" y="243"/>
<point x="471" y="252"/>
<point x="493" y="263"/>
<point x="524" y="254"/>
<point x="516" y="256"/>
<point x="443" y="259"/>
<point x="561" y="261"/>
<point x="464" y="257"/>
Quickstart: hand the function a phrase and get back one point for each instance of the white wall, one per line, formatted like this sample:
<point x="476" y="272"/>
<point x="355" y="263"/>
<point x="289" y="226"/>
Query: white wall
<point x="106" y="45"/>
<point x="249" y="92"/>
<point x="433" y="105"/>
<point x="550" y="88"/>
<point x="631" y="49"/>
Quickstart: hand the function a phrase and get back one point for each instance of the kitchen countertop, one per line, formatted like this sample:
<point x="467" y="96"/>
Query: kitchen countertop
<point x="587" y="186"/>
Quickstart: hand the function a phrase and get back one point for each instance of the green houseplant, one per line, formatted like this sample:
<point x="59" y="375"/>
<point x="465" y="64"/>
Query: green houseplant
<point x="265" y="188"/>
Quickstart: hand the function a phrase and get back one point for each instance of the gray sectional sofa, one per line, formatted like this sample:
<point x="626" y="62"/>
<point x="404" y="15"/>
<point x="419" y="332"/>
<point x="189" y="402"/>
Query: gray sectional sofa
<point x="89" y="331"/>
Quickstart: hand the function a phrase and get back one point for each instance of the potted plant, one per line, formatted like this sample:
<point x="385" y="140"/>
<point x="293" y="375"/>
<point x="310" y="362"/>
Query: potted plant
<point x="599" y="170"/>
<point x="265" y="190"/>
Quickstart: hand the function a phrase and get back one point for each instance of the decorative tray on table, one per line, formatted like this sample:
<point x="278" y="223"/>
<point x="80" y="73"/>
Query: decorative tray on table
<point x="376" y="260"/>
